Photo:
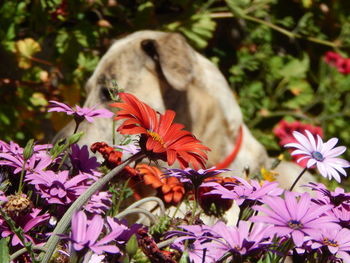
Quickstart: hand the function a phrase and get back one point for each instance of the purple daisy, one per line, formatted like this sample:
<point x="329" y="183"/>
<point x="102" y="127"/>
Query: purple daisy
<point x="337" y="241"/>
<point x="82" y="162"/>
<point x="80" y="113"/>
<point x="85" y="234"/>
<point x="323" y="155"/>
<point x="27" y="222"/>
<point x="325" y="196"/>
<point x="239" y="241"/>
<point x="198" y="242"/>
<point x="99" y="203"/>
<point x="294" y="216"/>
<point x="244" y="191"/>
<point x="57" y="188"/>
<point x="194" y="177"/>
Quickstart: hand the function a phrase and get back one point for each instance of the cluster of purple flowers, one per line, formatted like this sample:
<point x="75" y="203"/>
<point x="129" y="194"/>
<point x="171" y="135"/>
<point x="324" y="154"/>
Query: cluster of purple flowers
<point x="37" y="188"/>
<point x="52" y="183"/>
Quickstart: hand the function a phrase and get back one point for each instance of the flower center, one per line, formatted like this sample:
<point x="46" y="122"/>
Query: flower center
<point x="156" y="137"/>
<point x="295" y="224"/>
<point x="330" y="243"/>
<point x="317" y="156"/>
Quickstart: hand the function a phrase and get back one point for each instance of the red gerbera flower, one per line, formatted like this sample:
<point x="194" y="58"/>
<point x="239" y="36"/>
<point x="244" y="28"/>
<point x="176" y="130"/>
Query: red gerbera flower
<point x="160" y="137"/>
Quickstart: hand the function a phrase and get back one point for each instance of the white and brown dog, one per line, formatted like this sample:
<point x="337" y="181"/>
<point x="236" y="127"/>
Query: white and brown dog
<point x="162" y="70"/>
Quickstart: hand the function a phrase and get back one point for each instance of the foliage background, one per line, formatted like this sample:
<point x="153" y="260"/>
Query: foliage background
<point x="271" y="51"/>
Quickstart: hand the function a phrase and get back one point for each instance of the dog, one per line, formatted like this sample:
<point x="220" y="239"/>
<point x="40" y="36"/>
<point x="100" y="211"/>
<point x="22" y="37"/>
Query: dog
<point x="164" y="71"/>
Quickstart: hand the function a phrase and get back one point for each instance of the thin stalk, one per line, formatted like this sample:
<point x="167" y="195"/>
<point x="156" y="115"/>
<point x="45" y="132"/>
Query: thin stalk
<point x="298" y="178"/>
<point x="63" y="224"/>
<point x="23" y="250"/>
<point x="20" y="186"/>
<point x="120" y="200"/>
<point x="137" y="211"/>
<point x="77" y="123"/>
<point x="278" y="29"/>
<point x="150" y="199"/>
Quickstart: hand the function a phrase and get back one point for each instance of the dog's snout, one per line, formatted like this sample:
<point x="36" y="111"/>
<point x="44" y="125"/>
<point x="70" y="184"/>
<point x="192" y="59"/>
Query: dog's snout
<point x="149" y="46"/>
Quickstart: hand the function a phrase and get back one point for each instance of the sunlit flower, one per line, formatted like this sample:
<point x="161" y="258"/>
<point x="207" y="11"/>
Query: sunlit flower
<point x="160" y="137"/>
<point x="80" y="113"/>
<point x="338" y="197"/>
<point x="323" y="155"/>
<point x="57" y="188"/>
<point x="170" y="188"/>
<point x="294" y="217"/>
<point x="85" y="234"/>
<point x="284" y="131"/>
<point x="242" y="191"/>
<point x="337" y="241"/>
<point x="99" y="203"/>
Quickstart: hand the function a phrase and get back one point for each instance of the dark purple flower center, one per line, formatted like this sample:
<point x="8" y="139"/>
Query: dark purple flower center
<point x="330" y="243"/>
<point x="317" y="156"/>
<point x="295" y="224"/>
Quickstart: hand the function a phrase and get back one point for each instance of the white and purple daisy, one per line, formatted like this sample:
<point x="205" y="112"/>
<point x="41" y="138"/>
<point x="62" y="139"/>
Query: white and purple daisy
<point x="323" y="155"/>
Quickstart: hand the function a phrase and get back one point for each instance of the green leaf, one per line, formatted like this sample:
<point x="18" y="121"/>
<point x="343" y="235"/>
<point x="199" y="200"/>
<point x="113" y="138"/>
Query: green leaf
<point x="4" y="251"/>
<point x="303" y="94"/>
<point x="38" y="99"/>
<point x="25" y="49"/>
<point x="75" y="138"/>
<point x="296" y="68"/>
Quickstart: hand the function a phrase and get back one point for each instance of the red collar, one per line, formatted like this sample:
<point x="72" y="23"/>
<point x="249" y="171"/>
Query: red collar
<point x="230" y="158"/>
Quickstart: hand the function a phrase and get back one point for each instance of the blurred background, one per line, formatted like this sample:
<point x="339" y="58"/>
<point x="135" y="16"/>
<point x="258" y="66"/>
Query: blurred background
<point x="284" y="59"/>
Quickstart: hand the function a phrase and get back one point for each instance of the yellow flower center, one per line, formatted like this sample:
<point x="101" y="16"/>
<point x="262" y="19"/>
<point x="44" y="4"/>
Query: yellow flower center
<point x="156" y="137"/>
<point x="330" y="243"/>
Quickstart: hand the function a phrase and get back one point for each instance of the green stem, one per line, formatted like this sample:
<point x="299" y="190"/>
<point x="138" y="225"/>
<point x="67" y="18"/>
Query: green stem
<point x="278" y="29"/>
<point x="23" y="250"/>
<point x="78" y="204"/>
<point x="298" y="178"/>
<point x="117" y="207"/>
<point x="22" y="177"/>
<point x="195" y="203"/>
<point x="63" y="160"/>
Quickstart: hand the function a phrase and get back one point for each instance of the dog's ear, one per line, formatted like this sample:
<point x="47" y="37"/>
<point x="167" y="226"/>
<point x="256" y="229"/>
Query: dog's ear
<point x="174" y="58"/>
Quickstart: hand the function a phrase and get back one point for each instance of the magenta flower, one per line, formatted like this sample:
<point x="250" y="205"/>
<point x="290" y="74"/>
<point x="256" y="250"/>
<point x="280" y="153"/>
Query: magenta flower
<point x="323" y="155"/>
<point x="81" y="160"/>
<point x="294" y="217"/>
<point x="57" y="188"/>
<point x="244" y="191"/>
<point x="324" y="196"/>
<point x="194" y="177"/>
<point x="85" y="234"/>
<point x="239" y="241"/>
<point x="198" y="242"/>
<point x="80" y="113"/>
<point x="337" y="241"/>
<point x="27" y="223"/>
<point x="99" y="203"/>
